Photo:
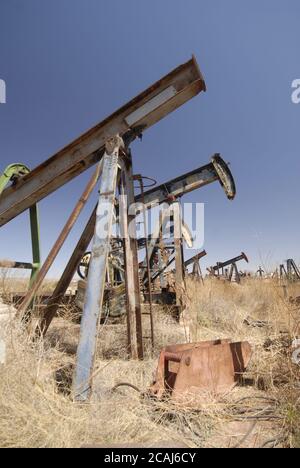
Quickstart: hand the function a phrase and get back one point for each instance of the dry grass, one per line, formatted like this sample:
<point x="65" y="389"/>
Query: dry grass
<point x="37" y="411"/>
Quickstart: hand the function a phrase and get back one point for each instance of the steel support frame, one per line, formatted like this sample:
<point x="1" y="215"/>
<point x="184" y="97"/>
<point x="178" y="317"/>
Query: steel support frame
<point x="115" y="159"/>
<point x="183" y="184"/>
<point x="139" y="178"/>
<point x="12" y="173"/>
<point x="292" y="270"/>
<point x="234" y="273"/>
<point x="128" y="233"/>
<point x="179" y="270"/>
<point x="92" y="310"/>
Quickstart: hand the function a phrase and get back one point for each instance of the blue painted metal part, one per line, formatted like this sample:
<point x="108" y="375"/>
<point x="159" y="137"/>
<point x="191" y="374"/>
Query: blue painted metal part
<point x="96" y="277"/>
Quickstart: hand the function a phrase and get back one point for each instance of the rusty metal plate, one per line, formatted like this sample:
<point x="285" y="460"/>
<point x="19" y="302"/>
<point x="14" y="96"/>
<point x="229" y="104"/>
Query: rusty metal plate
<point x="210" y="367"/>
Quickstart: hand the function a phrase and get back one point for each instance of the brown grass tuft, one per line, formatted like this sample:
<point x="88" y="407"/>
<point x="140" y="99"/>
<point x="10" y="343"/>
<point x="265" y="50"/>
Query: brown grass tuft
<point x="36" y="409"/>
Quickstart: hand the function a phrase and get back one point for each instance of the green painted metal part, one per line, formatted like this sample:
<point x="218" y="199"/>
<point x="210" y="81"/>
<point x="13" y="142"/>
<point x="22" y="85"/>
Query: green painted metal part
<point x="11" y="174"/>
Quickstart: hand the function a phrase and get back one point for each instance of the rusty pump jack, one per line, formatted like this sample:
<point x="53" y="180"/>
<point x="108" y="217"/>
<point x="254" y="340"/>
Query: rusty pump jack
<point x="125" y="125"/>
<point x="234" y="272"/>
<point x="291" y="272"/>
<point x="215" y="171"/>
<point x="195" y="261"/>
<point x="109" y="143"/>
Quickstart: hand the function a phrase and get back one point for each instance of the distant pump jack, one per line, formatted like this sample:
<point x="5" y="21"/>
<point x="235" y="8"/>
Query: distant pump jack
<point x="2" y="92"/>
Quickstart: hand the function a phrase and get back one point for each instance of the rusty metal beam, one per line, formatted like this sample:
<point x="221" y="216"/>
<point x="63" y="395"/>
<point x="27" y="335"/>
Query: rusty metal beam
<point x="128" y="230"/>
<point x="195" y="258"/>
<point x="66" y="278"/>
<point x="217" y="170"/>
<point x="160" y="99"/>
<point x="16" y="265"/>
<point x="220" y="265"/>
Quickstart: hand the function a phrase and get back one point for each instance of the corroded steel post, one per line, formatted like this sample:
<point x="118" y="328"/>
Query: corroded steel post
<point x="132" y="282"/>
<point x="97" y="271"/>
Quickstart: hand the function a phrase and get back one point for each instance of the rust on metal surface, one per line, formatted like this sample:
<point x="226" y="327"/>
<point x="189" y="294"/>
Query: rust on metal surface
<point x="184" y="82"/>
<point x="209" y="367"/>
<point x="132" y="282"/>
<point x="140" y="179"/>
<point x="16" y="265"/>
<point x="66" y="278"/>
<point x="196" y="257"/>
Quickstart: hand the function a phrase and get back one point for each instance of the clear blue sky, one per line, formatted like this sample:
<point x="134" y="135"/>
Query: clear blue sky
<point x="69" y="63"/>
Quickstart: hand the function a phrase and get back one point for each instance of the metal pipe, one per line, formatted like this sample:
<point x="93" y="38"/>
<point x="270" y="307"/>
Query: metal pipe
<point x="140" y="180"/>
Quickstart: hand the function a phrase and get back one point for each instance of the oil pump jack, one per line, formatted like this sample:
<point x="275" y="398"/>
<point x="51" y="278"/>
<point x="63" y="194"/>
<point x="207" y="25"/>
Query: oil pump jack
<point x="107" y="146"/>
<point x="291" y="272"/>
<point x="233" y="274"/>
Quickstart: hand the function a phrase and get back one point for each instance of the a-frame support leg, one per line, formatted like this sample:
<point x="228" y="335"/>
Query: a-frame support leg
<point x="68" y="274"/>
<point x="179" y="272"/>
<point x="234" y="274"/>
<point x="97" y="272"/>
<point x="132" y="282"/>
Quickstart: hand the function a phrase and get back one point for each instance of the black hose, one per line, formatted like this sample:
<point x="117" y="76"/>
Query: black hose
<point x="125" y="384"/>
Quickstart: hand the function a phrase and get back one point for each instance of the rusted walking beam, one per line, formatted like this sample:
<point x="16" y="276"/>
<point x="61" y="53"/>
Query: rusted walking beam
<point x="217" y="170"/>
<point x="160" y="99"/>
<point x="220" y="265"/>
<point x="196" y="257"/>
